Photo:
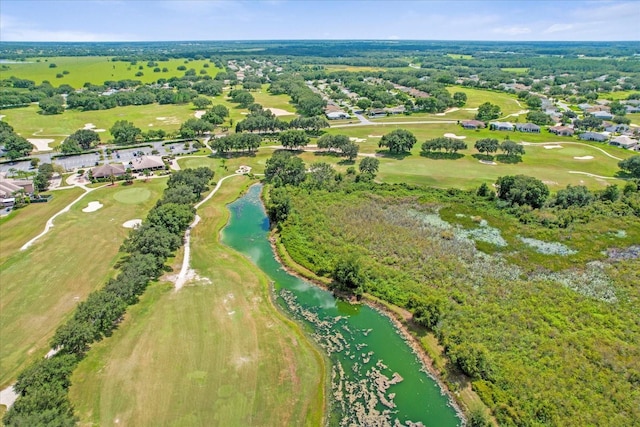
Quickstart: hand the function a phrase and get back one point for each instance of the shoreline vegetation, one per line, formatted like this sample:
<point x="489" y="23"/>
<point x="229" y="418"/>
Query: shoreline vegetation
<point x="400" y="318"/>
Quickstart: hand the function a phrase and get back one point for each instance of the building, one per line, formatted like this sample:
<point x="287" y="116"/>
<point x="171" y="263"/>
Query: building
<point x="624" y="142"/>
<point x="105" y="171"/>
<point x="528" y="127"/>
<point x="9" y="187"/>
<point x="473" y="124"/>
<point x="617" y="128"/>
<point x="501" y="126"/>
<point x="334" y="115"/>
<point x="145" y="163"/>
<point x="562" y="130"/>
<point x="593" y="136"/>
<point x="377" y="112"/>
<point x="604" y="115"/>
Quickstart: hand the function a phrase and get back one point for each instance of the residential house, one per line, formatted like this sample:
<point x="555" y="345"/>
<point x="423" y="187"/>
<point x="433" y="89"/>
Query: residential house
<point x="400" y="109"/>
<point x="585" y="107"/>
<point x="105" y="171"/>
<point x="501" y="126"/>
<point x="562" y="130"/>
<point x="617" y="128"/>
<point x="633" y="109"/>
<point x="473" y="124"/>
<point x="145" y="163"/>
<point x="377" y="112"/>
<point x="604" y="115"/>
<point x="624" y="142"/>
<point x="334" y="115"/>
<point x="9" y="187"/>
<point x="593" y="136"/>
<point x="528" y="127"/>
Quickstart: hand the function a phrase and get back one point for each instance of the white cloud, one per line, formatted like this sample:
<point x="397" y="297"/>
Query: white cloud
<point x="558" y="28"/>
<point x="512" y="31"/>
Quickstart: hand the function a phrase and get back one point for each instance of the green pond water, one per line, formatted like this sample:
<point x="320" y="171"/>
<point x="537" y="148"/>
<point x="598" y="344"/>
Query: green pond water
<point x="376" y="379"/>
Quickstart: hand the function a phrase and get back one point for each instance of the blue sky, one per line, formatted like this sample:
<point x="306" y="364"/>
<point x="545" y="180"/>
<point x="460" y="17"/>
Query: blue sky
<point x="147" y="20"/>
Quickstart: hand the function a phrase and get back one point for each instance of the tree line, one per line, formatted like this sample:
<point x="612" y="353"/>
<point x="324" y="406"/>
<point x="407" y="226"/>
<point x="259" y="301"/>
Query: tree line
<point x="42" y="387"/>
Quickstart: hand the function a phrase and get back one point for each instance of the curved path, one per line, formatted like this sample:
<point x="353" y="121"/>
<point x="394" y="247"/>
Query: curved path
<point x="184" y="270"/>
<point x="594" y="175"/>
<point x="574" y="143"/>
<point x="408" y="122"/>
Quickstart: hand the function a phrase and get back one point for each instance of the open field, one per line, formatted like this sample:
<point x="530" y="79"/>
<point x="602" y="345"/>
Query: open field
<point x="634" y="117"/>
<point x="352" y="68"/>
<point x="29" y="124"/>
<point x="233" y="358"/>
<point x="517" y="70"/>
<point x="459" y="56"/>
<point x="42" y="285"/>
<point x="21" y="225"/>
<point x="617" y="95"/>
<point x="97" y="70"/>
<point x="508" y="103"/>
<point x="267" y="100"/>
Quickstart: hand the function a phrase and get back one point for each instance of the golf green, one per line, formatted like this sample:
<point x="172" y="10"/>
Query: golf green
<point x="132" y="196"/>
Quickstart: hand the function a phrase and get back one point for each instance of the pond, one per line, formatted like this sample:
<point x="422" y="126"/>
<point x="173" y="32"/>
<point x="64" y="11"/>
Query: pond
<point x="376" y="378"/>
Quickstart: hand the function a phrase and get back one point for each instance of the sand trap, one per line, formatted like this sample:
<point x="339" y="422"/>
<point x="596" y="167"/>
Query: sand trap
<point x="150" y="124"/>
<point x="244" y="113"/>
<point x="161" y="118"/>
<point x="487" y="162"/>
<point x="198" y="114"/>
<point x="454" y="136"/>
<point x="583" y="157"/>
<point x="450" y="110"/>
<point x="89" y="126"/>
<point x="244" y="169"/>
<point x="375" y="136"/>
<point x="92" y="207"/>
<point x="352" y="139"/>
<point x="99" y="130"/>
<point x="2" y="116"/>
<point x="41" y="143"/>
<point x="280" y="112"/>
<point x="132" y="223"/>
<point x="549" y="147"/>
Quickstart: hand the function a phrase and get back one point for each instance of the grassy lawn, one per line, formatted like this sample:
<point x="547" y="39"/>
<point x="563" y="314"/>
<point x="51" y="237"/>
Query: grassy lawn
<point x="267" y="100"/>
<point x="97" y="70"/>
<point x="233" y="359"/>
<point x="42" y="285"/>
<point x="21" y="225"/>
<point x="459" y="56"/>
<point x="352" y="68"/>
<point x="617" y="95"/>
<point x="28" y="123"/>
<point x="507" y="102"/>
<point x="635" y="118"/>
<point x="517" y="70"/>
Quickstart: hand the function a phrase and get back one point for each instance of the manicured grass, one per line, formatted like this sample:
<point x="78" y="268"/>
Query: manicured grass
<point x="267" y="100"/>
<point x="635" y="118"/>
<point x="132" y="195"/>
<point x="459" y="56"/>
<point x="517" y="70"/>
<point x="508" y="103"/>
<point x="98" y="69"/>
<point x="352" y="68"/>
<point x="30" y="124"/>
<point x="213" y="353"/>
<point x="617" y="95"/>
<point x="42" y="285"/>
<point x="21" y="225"/>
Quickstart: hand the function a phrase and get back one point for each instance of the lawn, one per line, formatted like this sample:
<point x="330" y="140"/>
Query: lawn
<point x="215" y="353"/>
<point x="267" y="100"/>
<point x="42" y="285"/>
<point x="617" y="95"/>
<point x="30" y="124"/>
<point x="507" y="102"/>
<point x="634" y="117"/>
<point x="21" y="225"/>
<point x="352" y="68"/>
<point x="459" y="56"/>
<point x="98" y="69"/>
<point x="517" y="70"/>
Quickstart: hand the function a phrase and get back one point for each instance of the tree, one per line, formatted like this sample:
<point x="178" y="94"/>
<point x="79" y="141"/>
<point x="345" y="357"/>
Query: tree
<point x="618" y="108"/>
<point x="539" y="118"/>
<point x="348" y="277"/>
<point x="283" y="168"/>
<point x="195" y="127"/>
<point x="522" y="190"/>
<point x="350" y="151"/>
<point x="631" y="166"/>
<point x="364" y="103"/>
<point x="279" y="205"/>
<point x="84" y="138"/>
<point x="533" y="101"/>
<point x="53" y="105"/>
<point x="329" y="141"/>
<point x="460" y="99"/>
<point x="201" y="102"/>
<point x="242" y="97"/>
<point x="125" y="132"/>
<point x="321" y="175"/>
<point x="369" y="165"/>
<point x="220" y="110"/>
<point x="487" y="145"/>
<point x="488" y="111"/>
<point x="578" y="195"/>
<point x="172" y="216"/>
<point x="398" y="141"/>
<point x="511" y="148"/>
<point x="293" y="139"/>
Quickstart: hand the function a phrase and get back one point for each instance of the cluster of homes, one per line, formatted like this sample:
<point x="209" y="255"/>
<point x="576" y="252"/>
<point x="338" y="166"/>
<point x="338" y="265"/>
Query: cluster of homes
<point x="625" y="139"/>
<point x="137" y="165"/>
<point x="9" y="188"/>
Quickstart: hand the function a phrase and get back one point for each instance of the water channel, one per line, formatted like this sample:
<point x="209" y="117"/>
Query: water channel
<point x="376" y="379"/>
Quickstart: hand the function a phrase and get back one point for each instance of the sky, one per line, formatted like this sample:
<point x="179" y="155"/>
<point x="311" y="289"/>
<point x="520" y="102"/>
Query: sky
<point x="148" y="20"/>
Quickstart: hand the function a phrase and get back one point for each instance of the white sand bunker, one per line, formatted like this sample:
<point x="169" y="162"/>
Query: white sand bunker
<point x="454" y="136"/>
<point x="244" y="169"/>
<point x="92" y="207"/>
<point x="549" y="147"/>
<point x="89" y="126"/>
<point x="450" y="110"/>
<point x="2" y="116"/>
<point x="280" y="112"/>
<point x="42" y="144"/>
<point x="488" y="162"/>
<point x="132" y="223"/>
<point x="375" y="136"/>
<point x="352" y="139"/>
<point x="583" y="157"/>
<point x="99" y="130"/>
<point x="198" y="114"/>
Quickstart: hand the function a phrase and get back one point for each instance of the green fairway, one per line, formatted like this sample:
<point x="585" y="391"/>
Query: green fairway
<point x="132" y="195"/>
<point x="617" y="95"/>
<point x="21" y="225"/>
<point x="508" y="103"/>
<point x="98" y="69"/>
<point x="42" y="285"/>
<point x="30" y="124"/>
<point x="459" y="56"/>
<point x="282" y="101"/>
<point x="227" y="356"/>
<point x="517" y="70"/>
